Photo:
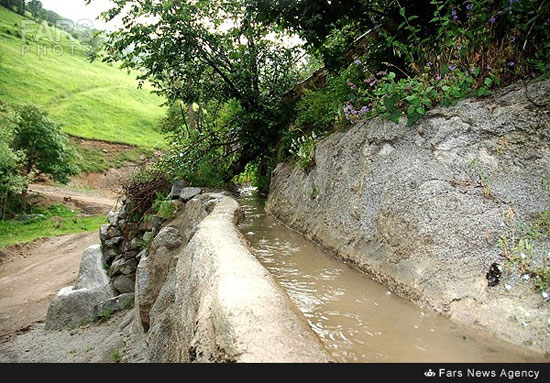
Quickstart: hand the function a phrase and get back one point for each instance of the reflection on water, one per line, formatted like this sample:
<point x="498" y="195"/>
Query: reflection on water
<point x="358" y="319"/>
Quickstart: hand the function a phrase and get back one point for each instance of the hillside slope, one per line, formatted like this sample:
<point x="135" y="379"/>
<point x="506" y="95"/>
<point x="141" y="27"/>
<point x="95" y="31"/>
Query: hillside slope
<point x="46" y="66"/>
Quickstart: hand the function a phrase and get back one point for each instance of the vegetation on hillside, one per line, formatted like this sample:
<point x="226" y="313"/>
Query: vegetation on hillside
<point x="51" y="68"/>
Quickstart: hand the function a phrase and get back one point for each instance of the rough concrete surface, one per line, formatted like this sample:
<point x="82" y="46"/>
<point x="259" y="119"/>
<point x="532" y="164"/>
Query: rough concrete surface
<point x="214" y="301"/>
<point x="421" y="209"/>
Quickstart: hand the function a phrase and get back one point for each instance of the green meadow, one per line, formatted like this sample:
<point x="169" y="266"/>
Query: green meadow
<point x="46" y="66"/>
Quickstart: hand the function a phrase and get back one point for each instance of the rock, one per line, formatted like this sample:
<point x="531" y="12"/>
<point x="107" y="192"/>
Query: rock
<point x="133" y="245"/>
<point x="114" y="232"/>
<point x="75" y="304"/>
<point x="408" y="205"/>
<point x="157" y="222"/>
<point x="104" y="150"/>
<point x="122" y="212"/>
<point x="122" y="224"/>
<point x="124" y="283"/>
<point x="112" y="217"/>
<point x="168" y="237"/>
<point x="114" y="242"/>
<point x="141" y="254"/>
<point x="118" y="303"/>
<point x="109" y="255"/>
<point x="130" y="254"/>
<point x="187" y="194"/>
<point x="177" y="187"/>
<point x="103" y="232"/>
<point x="122" y="266"/>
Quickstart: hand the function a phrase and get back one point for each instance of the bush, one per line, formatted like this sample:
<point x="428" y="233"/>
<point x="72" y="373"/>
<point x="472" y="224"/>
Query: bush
<point x="45" y="145"/>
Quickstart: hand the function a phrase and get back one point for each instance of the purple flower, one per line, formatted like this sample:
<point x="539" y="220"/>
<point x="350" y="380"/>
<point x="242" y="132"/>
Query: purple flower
<point x="357" y="62"/>
<point x="438" y="77"/>
<point x="453" y="13"/>
<point x="459" y="47"/>
<point x="429" y="63"/>
<point x="511" y="64"/>
<point x="492" y="20"/>
<point x="452" y="67"/>
<point x="382" y="73"/>
<point x="488" y="67"/>
<point x="469" y="6"/>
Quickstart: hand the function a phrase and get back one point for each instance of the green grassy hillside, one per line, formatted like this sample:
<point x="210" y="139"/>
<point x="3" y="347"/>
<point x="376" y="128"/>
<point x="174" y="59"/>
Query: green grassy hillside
<point x="92" y="100"/>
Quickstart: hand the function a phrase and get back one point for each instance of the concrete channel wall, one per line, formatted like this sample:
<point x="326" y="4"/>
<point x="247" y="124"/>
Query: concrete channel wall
<point x="201" y="296"/>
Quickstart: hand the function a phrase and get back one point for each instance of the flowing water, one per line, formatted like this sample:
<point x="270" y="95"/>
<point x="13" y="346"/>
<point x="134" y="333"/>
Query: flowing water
<point x="358" y="319"/>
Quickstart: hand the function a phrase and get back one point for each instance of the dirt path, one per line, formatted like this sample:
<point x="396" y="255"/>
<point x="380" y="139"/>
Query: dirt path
<point x="32" y="274"/>
<point x="88" y="202"/>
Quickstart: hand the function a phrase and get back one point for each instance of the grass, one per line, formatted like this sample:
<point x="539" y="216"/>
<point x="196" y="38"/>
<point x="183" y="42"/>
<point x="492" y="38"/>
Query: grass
<point x="95" y="160"/>
<point x="93" y="100"/>
<point x="57" y="220"/>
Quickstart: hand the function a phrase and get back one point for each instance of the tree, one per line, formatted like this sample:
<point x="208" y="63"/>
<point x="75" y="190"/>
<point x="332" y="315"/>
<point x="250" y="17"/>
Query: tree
<point x="35" y="7"/>
<point x="11" y="179"/>
<point x="45" y="146"/>
<point x="209" y="53"/>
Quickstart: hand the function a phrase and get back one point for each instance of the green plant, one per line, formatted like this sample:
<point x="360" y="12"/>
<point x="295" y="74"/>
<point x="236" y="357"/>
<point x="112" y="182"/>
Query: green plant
<point x="484" y="180"/>
<point x="164" y="207"/>
<point x="106" y="315"/>
<point x="303" y="148"/>
<point x="116" y="356"/>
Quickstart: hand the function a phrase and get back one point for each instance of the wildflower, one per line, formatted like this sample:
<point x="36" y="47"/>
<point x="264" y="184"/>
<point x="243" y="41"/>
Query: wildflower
<point x="511" y="64"/>
<point x="492" y="20"/>
<point x="382" y="73"/>
<point x="452" y="67"/>
<point x="488" y="67"/>
<point x="352" y="85"/>
<point x="469" y="6"/>
<point x="181" y="155"/>
<point x="357" y="62"/>
<point x="459" y="47"/>
<point x="429" y="63"/>
<point x="438" y="77"/>
<point x="453" y="13"/>
<point x="364" y="109"/>
<point x="525" y="277"/>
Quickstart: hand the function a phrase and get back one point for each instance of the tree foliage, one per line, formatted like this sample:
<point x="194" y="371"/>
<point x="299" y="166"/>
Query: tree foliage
<point x="211" y="53"/>
<point x="44" y="145"/>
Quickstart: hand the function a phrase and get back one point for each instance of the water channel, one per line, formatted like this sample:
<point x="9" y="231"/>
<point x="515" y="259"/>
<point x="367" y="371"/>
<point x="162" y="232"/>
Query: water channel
<point x="358" y="319"/>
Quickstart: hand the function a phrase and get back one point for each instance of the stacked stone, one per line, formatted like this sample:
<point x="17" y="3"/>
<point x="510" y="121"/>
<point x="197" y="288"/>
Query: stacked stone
<point x="124" y="243"/>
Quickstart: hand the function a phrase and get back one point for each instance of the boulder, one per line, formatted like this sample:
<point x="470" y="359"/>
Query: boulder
<point x="118" y="303"/>
<point x="80" y="303"/>
<point x="124" y="283"/>
<point x="104" y="232"/>
<point x="112" y="217"/>
<point x="114" y="242"/>
<point x="113" y="232"/>
<point x="177" y="187"/>
<point x="123" y="266"/>
<point x="187" y="194"/>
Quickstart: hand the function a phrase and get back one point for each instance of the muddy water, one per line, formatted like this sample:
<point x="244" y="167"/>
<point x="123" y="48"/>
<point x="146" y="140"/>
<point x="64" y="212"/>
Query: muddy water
<point x="358" y="319"/>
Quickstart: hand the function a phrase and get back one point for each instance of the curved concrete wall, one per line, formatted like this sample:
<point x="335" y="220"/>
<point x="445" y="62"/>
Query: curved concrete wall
<point x="203" y="297"/>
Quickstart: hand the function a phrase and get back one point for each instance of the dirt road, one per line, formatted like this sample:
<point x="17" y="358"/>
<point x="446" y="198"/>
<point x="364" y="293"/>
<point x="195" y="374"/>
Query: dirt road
<point x="31" y="274"/>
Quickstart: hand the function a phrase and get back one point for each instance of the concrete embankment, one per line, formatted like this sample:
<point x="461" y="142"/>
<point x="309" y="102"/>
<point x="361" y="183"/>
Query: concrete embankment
<point x="201" y="296"/>
<point x="436" y="211"/>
